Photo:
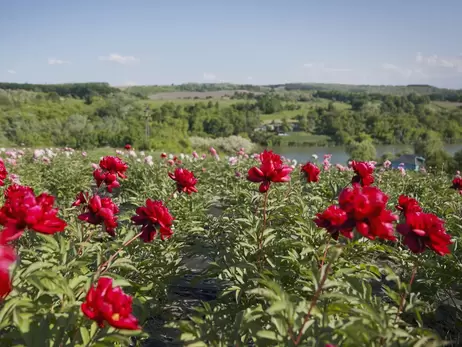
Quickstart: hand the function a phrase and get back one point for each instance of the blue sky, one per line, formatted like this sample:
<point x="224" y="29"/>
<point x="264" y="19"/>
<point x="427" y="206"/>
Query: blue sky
<point x="240" y="41"/>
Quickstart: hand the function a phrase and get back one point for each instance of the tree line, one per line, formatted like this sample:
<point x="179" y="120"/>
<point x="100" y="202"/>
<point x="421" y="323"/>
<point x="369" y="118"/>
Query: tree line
<point x="34" y="119"/>
<point x="77" y="90"/>
<point x="98" y="115"/>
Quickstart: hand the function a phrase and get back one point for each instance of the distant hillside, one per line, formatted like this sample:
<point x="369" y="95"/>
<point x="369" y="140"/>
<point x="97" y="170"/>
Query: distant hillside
<point x="86" y="90"/>
<point x="190" y="87"/>
<point x="382" y="89"/>
<point x="78" y="90"/>
<point x="434" y="93"/>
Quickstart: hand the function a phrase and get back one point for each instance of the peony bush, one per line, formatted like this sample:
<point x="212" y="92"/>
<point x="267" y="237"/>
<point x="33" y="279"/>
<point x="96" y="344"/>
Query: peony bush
<point x="203" y="250"/>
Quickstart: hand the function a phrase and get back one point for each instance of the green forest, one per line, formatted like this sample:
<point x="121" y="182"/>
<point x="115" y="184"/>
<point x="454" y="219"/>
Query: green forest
<point x="91" y="115"/>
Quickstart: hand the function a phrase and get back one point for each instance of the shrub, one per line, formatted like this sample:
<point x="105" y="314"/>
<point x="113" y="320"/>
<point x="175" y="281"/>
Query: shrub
<point x="230" y="144"/>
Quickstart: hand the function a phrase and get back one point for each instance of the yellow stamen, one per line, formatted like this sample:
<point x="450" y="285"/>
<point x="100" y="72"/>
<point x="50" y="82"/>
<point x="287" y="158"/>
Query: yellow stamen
<point x="116" y="316"/>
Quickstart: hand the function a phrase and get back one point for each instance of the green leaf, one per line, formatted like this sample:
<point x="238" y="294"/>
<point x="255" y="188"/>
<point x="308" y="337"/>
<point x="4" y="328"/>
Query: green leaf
<point x="268" y="239"/>
<point x="277" y="307"/>
<point x="197" y="344"/>
<point x="267" y="334"/>
<point x="22" y="321"/>
<point x="93" y="329"/>
<point x="73" y="283"/>
<point x="121" y="282"/>
<point x="85" y="335"/>
<point x="35" y="267"/>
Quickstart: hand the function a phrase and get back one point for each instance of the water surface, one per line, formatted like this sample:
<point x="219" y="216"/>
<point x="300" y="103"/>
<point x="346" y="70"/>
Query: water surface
<point x="339" y="155"/>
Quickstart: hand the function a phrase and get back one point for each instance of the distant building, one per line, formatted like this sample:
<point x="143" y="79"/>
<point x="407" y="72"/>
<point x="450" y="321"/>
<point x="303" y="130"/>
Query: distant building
<point x="409" y="162"/>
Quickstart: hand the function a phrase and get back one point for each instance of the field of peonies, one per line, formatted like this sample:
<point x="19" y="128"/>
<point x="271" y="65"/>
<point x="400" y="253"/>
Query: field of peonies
<point x="207" y="250"/>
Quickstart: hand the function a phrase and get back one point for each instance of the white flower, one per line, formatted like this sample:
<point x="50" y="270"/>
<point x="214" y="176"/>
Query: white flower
<point x="148" y="160"/>
<point x="38" y="153"/>
<point x="232" y="161"/>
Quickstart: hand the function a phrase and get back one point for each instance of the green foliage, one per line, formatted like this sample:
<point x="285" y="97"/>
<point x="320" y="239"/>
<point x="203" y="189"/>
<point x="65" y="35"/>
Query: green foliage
<point x="431" y="147"/>
<point x="78" y="90"/>
<point x="362" y="150"/>
<point x="274" y="285"/>
<point x="230" y="144"/>
<point x="97" y="115"/>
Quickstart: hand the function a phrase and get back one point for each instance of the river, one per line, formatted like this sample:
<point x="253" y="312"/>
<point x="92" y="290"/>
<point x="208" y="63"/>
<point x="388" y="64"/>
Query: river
<point x="339" y="156"/>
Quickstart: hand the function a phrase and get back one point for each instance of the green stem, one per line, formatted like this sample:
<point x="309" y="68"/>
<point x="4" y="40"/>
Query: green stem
<point x="313" y="302"/>
<point x="88" y="239"/>
<point x="403" y="296"/>
<point x="93" y="338"/>
<point x="325" y="251"/>
<point x="260" y="236"/>
<point x="103" y="267"/>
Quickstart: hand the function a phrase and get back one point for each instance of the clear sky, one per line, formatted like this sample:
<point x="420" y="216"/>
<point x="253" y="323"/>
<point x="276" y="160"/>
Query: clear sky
<point x="127" y="42"/>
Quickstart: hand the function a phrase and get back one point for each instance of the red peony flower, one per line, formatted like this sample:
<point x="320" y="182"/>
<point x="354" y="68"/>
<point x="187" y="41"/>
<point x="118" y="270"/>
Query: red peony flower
<point x="81" y="198"/>
<point x="104" y="303"/>
<point x="185" y="180"/>
<point x="3" y="172"/>
<point x="128" y="147"/>
<point x="152" y="216"/>
<point x="114" y="165"/>
<point x="363" y="173"/>
<point x="333" y="219"/>
<point x="7" y="258"/>
<point x="366" y="210"/>
<point x="163" y="155"/>
<point x="109" y="179"/>
<point x="457" y="183"/>
<point x="110" y="169"/>
<point x="422" y="230"/>
<point x="22" y="209"/>
<point x="408" y="205"/>
<point x="271" y="170"/>
<point x="101" y="211"/>
<point x="311" y="172"/>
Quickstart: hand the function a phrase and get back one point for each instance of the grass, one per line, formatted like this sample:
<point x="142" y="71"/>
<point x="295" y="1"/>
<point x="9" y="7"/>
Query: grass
<point x="303" y="138"/>
<point x="278" y="116"/>
<point x="265" y="118"/>
<point x="319" y="102"/>
<point x="306" y="107"/>
<point x="447" y="104"/>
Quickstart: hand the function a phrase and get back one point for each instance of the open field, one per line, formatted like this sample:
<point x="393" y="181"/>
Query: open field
<point x="278" y="116"/>
<point x="447" y="104"/>
<point x="306" y="107"/>
<point x="302" y="138"/>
